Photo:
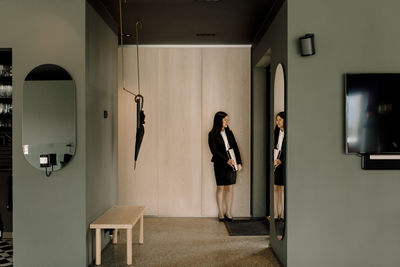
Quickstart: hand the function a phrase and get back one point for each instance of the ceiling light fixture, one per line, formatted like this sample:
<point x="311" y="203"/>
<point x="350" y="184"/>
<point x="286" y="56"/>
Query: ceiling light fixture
<point x="127" y="34"/>
<point x="205" y="34"/>
<point x="208" y="0"/>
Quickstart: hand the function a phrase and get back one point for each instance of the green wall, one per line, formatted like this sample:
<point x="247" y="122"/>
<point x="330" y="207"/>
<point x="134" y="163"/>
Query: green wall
<point x="49" y="213"/>
<point x="101" y="138"/>
<point x="260" y="143"/>
<point x="339" y="214"/>
<point x="275" y="39"/>
<point x="52" y="215"/>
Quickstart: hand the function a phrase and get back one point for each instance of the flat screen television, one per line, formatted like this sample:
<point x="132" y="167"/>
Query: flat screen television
<point x="372" y="113"/>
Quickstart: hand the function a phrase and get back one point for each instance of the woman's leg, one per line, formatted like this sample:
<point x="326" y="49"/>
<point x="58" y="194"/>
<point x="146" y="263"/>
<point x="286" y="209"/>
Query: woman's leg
<point x="220" y="194"/>
<point x="228" y="200"/>
<point x="276" y="201"/>
<point x="282" y="197"/>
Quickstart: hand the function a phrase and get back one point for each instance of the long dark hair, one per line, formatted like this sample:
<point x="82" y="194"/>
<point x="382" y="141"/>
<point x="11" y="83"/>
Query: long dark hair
<point x="217" y="125"/>
<point x="282" y="115"/>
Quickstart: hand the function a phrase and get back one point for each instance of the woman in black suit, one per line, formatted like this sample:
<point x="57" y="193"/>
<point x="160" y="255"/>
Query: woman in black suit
<point x="279" y="163"/>
<point x="220" y="140"/>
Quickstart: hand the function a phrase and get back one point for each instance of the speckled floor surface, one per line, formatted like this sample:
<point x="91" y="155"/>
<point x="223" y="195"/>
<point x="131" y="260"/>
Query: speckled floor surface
<point x="190" y="242"/>
<point x="6" y="252"/>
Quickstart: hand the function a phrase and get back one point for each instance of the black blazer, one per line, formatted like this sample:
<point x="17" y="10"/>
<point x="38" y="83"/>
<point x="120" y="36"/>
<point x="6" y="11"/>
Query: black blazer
<point x="279" y="170"/>
<point x="218" y="150"/>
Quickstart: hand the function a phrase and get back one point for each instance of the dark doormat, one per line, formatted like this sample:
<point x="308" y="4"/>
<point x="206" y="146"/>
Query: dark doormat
<point x="248" y="227"/>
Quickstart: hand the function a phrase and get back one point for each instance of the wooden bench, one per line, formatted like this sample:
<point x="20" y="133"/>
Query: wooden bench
<point x="119" y="217"/>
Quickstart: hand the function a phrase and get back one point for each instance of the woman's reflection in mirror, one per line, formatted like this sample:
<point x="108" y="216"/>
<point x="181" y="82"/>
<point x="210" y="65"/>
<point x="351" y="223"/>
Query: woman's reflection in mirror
<point x="279" y="163"/>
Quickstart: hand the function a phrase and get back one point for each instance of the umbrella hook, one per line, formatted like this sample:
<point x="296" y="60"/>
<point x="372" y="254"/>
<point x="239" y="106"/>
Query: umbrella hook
<point x="139" y="98"/>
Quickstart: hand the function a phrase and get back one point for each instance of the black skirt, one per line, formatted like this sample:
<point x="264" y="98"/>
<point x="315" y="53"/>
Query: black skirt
<point x="224" y="174"/>
<point x="278" y="173"/>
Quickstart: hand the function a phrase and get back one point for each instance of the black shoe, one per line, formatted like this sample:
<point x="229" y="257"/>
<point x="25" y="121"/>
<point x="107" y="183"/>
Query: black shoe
<point x="227" y="219"/>
<point x="276" y="219"/>
<point x="221" y="219"/>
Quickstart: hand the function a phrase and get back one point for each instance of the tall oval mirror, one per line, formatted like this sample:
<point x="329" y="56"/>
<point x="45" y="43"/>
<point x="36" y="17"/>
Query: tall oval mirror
<point x="279" y="152"/>
<point x="48" y="117"/>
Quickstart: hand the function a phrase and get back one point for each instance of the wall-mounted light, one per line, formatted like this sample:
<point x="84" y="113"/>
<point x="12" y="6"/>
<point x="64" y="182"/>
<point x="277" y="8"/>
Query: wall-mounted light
<point x="307" y="47"/>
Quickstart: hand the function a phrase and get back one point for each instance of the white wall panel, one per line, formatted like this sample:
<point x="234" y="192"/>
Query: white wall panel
<point x="138" y="187"/>
<point x="179" y="146"/>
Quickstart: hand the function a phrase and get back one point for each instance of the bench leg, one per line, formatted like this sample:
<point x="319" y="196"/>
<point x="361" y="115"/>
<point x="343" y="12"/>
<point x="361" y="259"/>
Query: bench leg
<point x="115" y="236"/>
<point x="98" y="246"/>
<point x="141" y="230"/>
<point x="129" y="246"/>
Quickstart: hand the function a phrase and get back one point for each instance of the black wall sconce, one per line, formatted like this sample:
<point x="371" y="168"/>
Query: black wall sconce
<point x="307" y="47"/>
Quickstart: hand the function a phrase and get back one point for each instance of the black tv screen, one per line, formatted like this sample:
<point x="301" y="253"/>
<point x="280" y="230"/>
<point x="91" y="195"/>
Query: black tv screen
<point x="372" y="113"/>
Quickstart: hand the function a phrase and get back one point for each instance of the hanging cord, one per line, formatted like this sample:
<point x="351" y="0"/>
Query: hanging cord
<point x="122" y="46"/>
<point x="138" y="23"/>
<point x="122" y="54"/>
<point x="139" y="96"/>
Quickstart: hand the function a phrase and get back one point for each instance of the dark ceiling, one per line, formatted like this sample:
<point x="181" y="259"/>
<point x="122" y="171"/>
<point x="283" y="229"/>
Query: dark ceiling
<point x="182" y="21"/>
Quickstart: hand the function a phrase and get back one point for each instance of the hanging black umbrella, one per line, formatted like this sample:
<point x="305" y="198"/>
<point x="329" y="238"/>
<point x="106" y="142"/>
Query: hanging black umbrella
<point x="139" y="125"/>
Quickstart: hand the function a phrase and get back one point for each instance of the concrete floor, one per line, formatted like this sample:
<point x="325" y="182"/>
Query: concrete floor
<point x="190" y="242"/>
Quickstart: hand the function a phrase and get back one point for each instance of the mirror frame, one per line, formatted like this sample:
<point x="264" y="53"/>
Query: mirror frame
<point x="52" y="73"/>
<point x="280" y="225"/>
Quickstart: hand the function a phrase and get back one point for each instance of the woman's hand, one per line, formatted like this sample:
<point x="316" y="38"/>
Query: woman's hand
<point x="239" y="167"/>
<point x="231" y="162"/>
<point x="277" y="162"/>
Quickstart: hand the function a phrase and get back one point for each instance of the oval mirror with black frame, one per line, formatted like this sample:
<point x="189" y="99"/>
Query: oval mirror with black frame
<point x="279" y="145"/>
<point x="48" y="118"/>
